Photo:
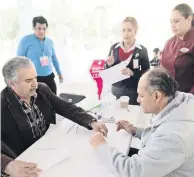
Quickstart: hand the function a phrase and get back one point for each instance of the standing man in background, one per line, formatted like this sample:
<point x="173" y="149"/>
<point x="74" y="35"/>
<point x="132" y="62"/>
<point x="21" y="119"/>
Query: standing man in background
<point x="156" y="60"/>
<point x="40" y="50"/>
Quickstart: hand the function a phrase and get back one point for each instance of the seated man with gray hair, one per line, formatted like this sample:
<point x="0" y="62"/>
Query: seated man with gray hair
<point x="27" y="110"/>
<point x="167" y="143"/>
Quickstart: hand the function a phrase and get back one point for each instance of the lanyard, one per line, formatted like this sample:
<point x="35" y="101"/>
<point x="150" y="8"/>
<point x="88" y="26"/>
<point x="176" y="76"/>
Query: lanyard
<point x="41" y="43"/>
<point x="42" y="46"/>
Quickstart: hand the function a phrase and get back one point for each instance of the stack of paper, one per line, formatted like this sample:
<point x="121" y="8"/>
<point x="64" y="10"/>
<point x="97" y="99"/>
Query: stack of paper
<point x="45" y="153"/>
<point x="113" y="74"/>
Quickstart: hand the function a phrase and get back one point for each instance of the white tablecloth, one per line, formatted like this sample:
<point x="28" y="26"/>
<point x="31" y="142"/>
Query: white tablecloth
<point x="72" y="149"/>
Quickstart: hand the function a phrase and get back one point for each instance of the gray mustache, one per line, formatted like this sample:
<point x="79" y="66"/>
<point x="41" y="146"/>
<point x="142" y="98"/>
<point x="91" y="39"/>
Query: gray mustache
<point x="34" y="88"/>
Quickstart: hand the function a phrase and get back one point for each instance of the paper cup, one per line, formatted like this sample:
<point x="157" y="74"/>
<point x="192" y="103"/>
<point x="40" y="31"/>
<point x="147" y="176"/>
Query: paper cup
<point x="124" y="102"/>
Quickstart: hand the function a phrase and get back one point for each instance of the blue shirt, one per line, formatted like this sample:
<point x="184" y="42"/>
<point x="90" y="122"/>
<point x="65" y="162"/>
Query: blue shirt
<point x="33" y="48"/>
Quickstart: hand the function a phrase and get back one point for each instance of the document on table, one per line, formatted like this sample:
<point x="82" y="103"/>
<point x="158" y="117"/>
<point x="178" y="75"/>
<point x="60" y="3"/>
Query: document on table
<point x="54" y="131"/>
<point x="89" y="104"/>
<point x="45" y="159"/>
<point x="120" y="140"/>
<point x="113" y="74"/>
<point x="46" y="152"/>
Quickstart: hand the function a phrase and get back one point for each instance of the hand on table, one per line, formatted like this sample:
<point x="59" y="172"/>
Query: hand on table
<point x="97" y="139"/>
<point x="99" y="127"/>
<point x="125" y="125"/>
<point x="17" y="168"/>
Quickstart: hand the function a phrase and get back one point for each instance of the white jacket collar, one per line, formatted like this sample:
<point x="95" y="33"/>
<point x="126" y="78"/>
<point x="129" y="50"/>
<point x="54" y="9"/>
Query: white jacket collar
<point x="135" y="45"/>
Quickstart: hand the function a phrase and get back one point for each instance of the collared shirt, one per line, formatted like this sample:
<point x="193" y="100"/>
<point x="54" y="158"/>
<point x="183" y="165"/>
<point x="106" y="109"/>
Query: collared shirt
<point x="178" y="59"/>
<point x="34" y="116"/>
<point x="33" y="48"/>
<point x="135" y="45"/>
<point x="124" y="55"/>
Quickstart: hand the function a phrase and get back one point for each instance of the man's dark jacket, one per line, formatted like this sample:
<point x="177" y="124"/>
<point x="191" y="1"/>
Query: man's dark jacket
<point x="15" y="130"/>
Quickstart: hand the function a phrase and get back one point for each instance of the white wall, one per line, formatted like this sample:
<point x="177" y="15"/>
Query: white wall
<point x="153" y="18"/>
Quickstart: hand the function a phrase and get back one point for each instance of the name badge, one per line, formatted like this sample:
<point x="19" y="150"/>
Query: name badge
<point x="44" y="61"/>
<point x="136" y="63"/>
<point x="184" y="50"/>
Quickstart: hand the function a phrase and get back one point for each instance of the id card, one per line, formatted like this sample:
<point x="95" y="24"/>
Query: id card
<point x="44" y="61"/>
<point x="136" y="63"/>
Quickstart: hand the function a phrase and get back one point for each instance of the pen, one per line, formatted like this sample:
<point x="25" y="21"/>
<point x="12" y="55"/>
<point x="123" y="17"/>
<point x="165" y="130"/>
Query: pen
<point x="106" y="139"/>
<point x="69" y="129"/>
<point x="76" y="130"/>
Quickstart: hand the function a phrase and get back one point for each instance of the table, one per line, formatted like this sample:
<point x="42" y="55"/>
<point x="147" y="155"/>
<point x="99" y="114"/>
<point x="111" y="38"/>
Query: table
<point x="83" y="160"/>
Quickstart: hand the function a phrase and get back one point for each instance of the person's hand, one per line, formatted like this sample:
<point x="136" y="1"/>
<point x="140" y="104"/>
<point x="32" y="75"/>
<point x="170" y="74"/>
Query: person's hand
<point x="99" y="127"/>
<point x="127" y="71"/>
<point x="110" y="59"/>
<point x="97" y="139"/>
<point x="61" y="78"/>
<point x="17" y="168"/>
<point x="125" y="125"/>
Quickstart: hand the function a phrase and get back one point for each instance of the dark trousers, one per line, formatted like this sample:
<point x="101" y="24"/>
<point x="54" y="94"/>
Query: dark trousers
<point x="123" y="91"/>
<point x="50" y="81"/>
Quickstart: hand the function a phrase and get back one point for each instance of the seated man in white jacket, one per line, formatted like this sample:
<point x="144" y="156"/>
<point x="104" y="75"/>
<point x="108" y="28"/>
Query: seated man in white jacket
<point x="168" y="143"/>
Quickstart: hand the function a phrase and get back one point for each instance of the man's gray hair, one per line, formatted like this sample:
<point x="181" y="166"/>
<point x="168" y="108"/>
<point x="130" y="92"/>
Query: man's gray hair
<point x="10" y="69"/>
<point x="159" y="79"/>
